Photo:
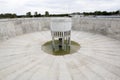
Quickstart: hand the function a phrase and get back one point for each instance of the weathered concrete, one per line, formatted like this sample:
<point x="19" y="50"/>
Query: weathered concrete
<point x="13" y="27"/>
<point x="105" y="26"/>
<point x="21" y="58"/>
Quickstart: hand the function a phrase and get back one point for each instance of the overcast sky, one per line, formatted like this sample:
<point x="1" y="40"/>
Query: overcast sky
<point x="57" y="6"/>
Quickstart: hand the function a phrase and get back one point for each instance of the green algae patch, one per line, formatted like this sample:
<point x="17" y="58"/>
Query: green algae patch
<point x="47" y="47"/>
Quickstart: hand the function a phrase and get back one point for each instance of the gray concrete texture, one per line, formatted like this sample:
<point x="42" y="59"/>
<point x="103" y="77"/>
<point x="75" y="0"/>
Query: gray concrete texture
<point x="21" y="57"/>
<point x="105" y="26"/>
<point x="13" y="27"/>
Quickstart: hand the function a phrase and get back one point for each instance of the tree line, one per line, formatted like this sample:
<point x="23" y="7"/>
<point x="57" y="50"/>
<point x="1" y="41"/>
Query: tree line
<point x="8" y="15"/>
<point x="102" y="13"/>
<point x="36" y="14"/>
<point x="29" y="14"/>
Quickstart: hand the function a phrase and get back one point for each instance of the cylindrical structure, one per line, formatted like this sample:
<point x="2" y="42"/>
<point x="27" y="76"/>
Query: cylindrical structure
<point x="61" y="28"/>
<point x="61" y="24"/>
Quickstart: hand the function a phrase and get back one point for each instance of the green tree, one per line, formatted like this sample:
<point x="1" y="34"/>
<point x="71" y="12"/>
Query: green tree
<point x="97" y="13"/>
<point x="104" y="13"/>
<point x="35" y="14"/>
<point x="46" y="13"/>
<point x="14" y="15"/>
<point x="117" y="12"/>
<point x="28" y="14"/>
<point x="39" y="15"/>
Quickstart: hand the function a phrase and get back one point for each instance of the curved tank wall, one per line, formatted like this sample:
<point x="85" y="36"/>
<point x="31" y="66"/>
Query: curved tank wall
<point x="14" y="27"/>
<point x="105" y="26"/>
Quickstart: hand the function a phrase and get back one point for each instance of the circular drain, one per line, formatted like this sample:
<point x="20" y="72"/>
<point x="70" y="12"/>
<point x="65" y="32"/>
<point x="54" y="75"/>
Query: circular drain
<point x="47" y="47"/>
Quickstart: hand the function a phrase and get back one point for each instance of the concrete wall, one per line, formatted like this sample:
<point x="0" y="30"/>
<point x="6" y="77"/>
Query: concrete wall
<point x="13" y="27"/>
<point x="106" y="26"/>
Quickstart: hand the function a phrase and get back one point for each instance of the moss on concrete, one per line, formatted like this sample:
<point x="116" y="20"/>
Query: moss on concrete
<point x="47" y="47"/>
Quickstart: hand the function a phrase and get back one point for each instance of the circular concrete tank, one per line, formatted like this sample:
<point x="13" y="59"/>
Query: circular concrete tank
<point x="21" y="57"/>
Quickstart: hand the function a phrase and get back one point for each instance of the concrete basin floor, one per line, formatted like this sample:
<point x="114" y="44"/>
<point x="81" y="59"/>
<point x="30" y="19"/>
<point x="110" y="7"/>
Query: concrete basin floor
<point x="21" y="58"/>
